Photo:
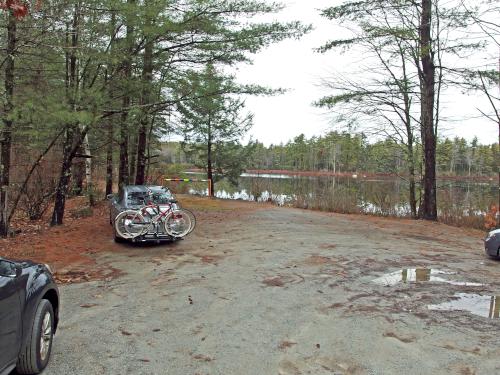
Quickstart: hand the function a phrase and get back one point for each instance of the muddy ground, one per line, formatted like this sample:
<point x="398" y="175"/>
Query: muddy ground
<point x="261" y="290"/>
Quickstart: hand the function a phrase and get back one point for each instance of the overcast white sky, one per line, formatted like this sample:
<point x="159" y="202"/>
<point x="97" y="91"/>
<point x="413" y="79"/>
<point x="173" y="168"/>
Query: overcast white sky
<point x="294" y="65"/>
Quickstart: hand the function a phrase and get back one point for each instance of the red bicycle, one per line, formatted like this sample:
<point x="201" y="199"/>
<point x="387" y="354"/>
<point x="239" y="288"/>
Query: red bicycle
<point x="153" y="219"/>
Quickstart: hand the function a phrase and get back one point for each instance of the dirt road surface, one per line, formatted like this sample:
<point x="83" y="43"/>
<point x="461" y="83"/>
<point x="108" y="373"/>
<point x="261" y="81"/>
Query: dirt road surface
<point x="262" y="290"/>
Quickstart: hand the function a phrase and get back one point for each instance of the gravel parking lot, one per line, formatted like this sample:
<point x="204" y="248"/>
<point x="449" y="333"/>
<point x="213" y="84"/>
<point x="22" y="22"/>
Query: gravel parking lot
<point x="267" y="290"/>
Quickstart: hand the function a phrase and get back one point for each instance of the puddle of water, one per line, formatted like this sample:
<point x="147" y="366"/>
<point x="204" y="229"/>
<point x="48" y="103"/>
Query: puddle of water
<point x="415" y="275"/>
<point x="485" y="306"/>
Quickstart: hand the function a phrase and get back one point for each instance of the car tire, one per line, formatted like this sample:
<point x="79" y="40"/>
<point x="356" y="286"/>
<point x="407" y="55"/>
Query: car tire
<point x="35" y="354"/>
<point x="117" y="238"/>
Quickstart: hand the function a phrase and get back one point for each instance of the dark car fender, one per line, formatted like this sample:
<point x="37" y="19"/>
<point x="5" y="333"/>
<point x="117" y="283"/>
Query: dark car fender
<point x="38" y="284"/>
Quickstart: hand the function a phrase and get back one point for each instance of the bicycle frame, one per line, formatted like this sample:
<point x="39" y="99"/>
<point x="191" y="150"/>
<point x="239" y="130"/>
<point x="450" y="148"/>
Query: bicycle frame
<point x="158" y="216"/>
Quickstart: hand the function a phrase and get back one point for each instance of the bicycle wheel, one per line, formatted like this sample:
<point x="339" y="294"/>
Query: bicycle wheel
<point x="177" y="223"/>
<point x="192" y="218"/>
<point x="130" y="224"/>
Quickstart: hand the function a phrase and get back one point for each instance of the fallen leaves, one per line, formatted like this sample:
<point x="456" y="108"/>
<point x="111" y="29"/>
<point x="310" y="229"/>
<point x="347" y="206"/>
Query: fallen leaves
<point x="286" y="344"/>
<point x="402" y="338"/>
<point x="282" y="280"/>
<point x="70" y="277"/>
<point x="125" y="333"/>
<point x="274" y="281"/>
<point x="19" y="8"/>
<point x="88" y="305"/>
<point x="201" y="357"/>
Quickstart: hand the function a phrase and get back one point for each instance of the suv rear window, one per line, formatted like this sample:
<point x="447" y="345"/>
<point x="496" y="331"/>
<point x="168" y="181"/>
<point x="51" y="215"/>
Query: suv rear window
<point x="138" y="198"/>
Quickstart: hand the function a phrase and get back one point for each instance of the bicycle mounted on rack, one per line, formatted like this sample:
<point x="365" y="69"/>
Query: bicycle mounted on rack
<point x="152" y="221"/>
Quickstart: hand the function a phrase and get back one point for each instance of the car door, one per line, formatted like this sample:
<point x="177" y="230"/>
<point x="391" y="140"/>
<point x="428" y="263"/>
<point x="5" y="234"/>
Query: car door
<point x="10" y="314"/>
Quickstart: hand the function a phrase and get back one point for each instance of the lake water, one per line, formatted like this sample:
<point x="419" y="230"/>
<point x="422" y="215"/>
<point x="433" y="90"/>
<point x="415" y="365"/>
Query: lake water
<point x="387" y="196"/>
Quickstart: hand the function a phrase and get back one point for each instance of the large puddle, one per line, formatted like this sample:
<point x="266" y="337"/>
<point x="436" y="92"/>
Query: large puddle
<point x="415" y="275"/>
<point x="485" y="306"/>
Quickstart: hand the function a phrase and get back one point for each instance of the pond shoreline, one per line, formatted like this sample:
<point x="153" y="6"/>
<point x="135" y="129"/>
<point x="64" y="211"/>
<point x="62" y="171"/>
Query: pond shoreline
<point x="298" y="173"/>
<point x="460" y="203"/>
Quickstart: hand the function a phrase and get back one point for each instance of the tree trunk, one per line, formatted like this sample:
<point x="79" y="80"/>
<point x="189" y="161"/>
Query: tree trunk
<point x="132" y="152"/>
<point x="411" y="160"/>
<point x="78" y="175"/>
<point x="110" y="127"/>
<point x="6" y="136"/>
<point x="88" y="169"/>
<point x="123" y="176"/>
<point x="412" y="187"/>
<point x="64" y="178"/>
<point x="210" y="176"/>
<point x="77" y="171"/>
<point x="123" y="173"/>
<point x="109" y="158"/>
<point x="141" y="152"/>
<point x="147" y="77"/>
<point x="427" y="81"/>
<point x="410" y="145"/>
<point x="150" y="137"/>
<point x="71" y="129"/>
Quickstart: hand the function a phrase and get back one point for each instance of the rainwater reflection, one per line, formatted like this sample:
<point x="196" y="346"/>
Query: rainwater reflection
<point x="485" y="306"/>
<point x="416" y="275"/>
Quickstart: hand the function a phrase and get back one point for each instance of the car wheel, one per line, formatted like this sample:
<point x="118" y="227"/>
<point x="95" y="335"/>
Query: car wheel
<point x="117" y="238"/>
<point x="36" y="353"/>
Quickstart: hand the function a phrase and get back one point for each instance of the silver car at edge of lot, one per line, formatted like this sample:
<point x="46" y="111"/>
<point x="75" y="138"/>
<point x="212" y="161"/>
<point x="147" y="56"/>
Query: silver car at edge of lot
<point x="133" y="197"/>
<point x="492" y="243"/>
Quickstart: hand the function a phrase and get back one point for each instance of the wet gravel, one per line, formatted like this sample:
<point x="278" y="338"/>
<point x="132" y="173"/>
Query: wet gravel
<point x="283" y="291"/>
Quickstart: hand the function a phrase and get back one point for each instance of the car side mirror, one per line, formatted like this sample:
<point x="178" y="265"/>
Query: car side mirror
<point x="110" y="197"/>
<point x="19" y="271"/>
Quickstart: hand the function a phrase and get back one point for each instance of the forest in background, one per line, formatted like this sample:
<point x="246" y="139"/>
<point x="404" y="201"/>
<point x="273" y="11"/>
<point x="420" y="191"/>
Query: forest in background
<point x="91" y="88"/>
<point x="339" y="152"/>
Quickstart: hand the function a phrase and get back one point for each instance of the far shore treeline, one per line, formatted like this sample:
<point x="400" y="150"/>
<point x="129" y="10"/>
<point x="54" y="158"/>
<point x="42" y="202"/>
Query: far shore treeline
<point x="342" y="152"/>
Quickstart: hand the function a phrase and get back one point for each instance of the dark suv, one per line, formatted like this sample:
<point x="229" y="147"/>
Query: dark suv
<point x="29" y="313"/>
